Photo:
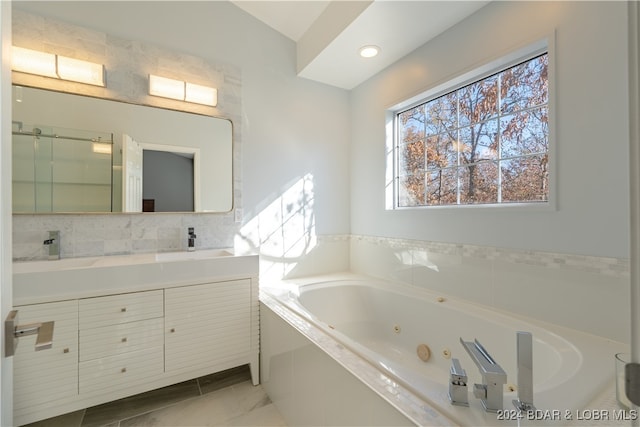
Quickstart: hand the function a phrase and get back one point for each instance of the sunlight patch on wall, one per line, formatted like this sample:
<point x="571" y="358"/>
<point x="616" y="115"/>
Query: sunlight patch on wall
<point x="417" y="257"/>
<point x="283" y="232"/>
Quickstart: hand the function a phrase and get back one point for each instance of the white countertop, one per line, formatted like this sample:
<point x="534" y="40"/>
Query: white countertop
<point x="47" y="281"/>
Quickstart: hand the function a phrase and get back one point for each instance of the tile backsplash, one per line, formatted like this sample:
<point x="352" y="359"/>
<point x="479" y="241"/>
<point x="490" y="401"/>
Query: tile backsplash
<point x="117" y="234"/>
<point x="586" y="293"/>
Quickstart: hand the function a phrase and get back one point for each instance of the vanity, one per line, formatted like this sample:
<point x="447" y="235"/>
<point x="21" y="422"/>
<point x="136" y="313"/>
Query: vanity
<point x="128" y="324"/>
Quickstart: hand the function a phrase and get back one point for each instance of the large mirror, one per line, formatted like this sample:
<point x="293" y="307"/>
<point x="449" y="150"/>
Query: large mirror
<point x="75" y="153"/>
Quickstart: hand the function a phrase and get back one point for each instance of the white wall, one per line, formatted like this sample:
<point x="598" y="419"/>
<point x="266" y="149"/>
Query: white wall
<point x="6" y="290"/>
<point x="591" y="131"/>
<point x="290" y="127"/>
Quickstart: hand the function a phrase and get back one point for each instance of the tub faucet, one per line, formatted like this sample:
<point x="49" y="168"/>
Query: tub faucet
<point x="524" y="344"/>
<point x="53" y="242"/>
<point x="191" y="240"/>
<point x="493" y="376"/>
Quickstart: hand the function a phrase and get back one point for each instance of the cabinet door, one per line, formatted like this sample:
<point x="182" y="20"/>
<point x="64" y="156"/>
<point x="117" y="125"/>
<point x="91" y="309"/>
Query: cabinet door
<point x="43" y="378"/>
<point x="207" y="324"/>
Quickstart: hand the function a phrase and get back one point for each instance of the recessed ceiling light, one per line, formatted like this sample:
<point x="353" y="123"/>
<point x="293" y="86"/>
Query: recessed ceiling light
<point x="369" y="51"/>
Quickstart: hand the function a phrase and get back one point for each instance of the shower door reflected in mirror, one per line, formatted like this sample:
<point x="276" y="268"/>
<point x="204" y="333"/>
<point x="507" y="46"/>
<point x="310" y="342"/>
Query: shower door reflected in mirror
<point x="61" y="170"/>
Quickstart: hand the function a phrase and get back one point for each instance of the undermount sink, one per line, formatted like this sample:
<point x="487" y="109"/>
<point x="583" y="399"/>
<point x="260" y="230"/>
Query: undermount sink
<point x="41" y="281"/>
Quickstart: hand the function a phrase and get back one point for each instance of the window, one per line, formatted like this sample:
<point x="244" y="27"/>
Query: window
<point x="483" y="143"/>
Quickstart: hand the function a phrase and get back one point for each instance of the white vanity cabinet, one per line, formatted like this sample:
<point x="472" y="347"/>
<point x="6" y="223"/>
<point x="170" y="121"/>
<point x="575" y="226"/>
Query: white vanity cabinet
<point x="116" y="341"/>
<point x="43" y="379"/>
<point x="207" y="326"/>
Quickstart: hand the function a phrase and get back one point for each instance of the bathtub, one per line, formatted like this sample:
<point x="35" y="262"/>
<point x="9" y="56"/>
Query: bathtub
<point x="384" y="324"/>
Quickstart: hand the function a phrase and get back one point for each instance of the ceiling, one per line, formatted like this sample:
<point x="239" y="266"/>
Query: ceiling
<point x="328" y="34"/>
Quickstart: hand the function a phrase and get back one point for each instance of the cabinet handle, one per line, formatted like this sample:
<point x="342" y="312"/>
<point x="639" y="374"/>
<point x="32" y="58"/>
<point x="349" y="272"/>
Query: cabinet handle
<point x="66" y="350"/>
<point x="123" y="309"/>
<point x="123" y="370"/>
<point x="172" y="330"/>
<point x="124" y="339"/>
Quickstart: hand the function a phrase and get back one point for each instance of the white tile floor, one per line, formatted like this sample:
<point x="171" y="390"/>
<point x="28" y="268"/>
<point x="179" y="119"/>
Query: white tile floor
<point x="223" y="399"/>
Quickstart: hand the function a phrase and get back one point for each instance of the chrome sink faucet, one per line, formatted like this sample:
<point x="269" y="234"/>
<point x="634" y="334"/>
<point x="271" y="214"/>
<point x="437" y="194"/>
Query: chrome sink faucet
<point x="53" y="242"/>
<point x="490" y="392"/>
<point x="191" y="240"/>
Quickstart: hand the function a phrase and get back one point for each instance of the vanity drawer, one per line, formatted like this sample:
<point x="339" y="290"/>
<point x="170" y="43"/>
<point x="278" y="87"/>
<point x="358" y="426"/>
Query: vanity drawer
<point x="115" y="309"/>
<point x="100" y="376"/>
<point x="121" y="338"/>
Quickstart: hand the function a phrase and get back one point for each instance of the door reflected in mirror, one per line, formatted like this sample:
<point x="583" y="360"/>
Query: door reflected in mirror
<point x="74" y="153"/>
<point x="167" y="181"/>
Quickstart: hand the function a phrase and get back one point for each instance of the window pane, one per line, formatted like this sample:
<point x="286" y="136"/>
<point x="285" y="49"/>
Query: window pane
<point x="525" y="179"/>
<point x="524" y="85"/>
<point x="479" y="142"/>
<point x="479" y="183"/>
<point x="525" y="132"/>
<point x="411" y="190"/>
<point x="441" y="114"/>
<point x="412" y="158"/>
<point x="442" y="187"/>
<point x="411" y="125"/>
<point x="441" y="152"/>
<point x="478" y="101"/>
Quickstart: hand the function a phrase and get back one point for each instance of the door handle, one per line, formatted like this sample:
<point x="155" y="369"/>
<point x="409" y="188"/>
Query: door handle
<point x="13" y="331"/>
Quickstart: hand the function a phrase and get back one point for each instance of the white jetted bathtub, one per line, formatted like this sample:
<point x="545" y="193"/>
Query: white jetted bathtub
<point x="386" y="324"/>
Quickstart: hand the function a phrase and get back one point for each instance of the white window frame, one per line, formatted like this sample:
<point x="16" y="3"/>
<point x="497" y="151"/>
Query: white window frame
<point x="514" y="57"/>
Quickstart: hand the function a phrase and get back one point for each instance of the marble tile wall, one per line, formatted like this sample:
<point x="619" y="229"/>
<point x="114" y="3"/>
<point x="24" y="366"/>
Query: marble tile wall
<point x="118" y="234"/>
<point x="586" y="293"/>
<point x="127" y="64"/>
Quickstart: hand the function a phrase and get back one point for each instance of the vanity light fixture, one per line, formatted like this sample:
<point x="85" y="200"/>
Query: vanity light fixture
<point x="81" y="71"/>
<point x="182" y="91"/>
<point x="201" y="94"/>
<point x="57" y="66"/>
<point x="34" y="62"/>
<point x="166" y="88"/>
<point x="101" y="148"/>
<point x="369" y="51"/>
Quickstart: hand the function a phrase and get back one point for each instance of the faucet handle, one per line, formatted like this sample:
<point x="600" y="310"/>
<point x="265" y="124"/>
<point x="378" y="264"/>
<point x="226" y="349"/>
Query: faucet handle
<point x="480" y="391"/>
<point x="457" y="373"/>
<point x="458" y="384"/>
